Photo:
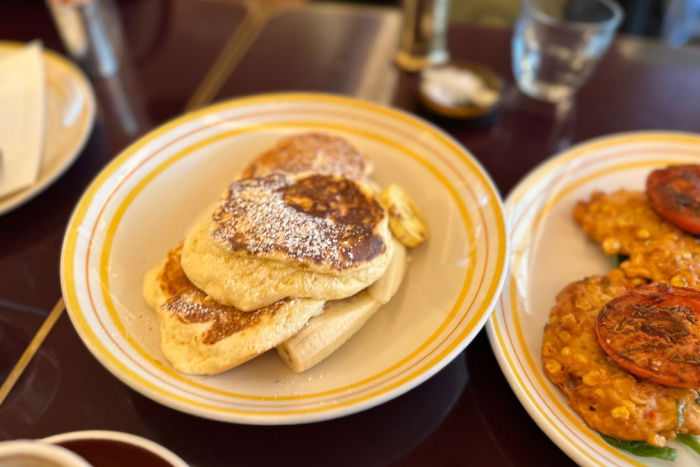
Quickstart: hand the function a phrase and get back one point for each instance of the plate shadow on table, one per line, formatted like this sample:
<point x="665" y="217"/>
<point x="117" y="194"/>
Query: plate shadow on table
<point x="377" y="436"/>
<point x="487" y="426"/>
<point x="464" y="415"/>
<point x="32" y="234"/>
<point x="32" y="395"/>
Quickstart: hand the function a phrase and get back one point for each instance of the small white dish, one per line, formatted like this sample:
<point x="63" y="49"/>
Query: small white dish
<point x="22" y="117"/>
<point x="550" y="251"/>
<point x="27" y="453"/>
<point x="117" y="436"/>
<point x="143" y="203"/>
<point x="70" y="112"/>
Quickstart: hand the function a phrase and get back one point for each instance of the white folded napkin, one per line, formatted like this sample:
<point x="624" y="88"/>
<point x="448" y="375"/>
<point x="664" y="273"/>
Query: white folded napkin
<point x="22" y="117"/>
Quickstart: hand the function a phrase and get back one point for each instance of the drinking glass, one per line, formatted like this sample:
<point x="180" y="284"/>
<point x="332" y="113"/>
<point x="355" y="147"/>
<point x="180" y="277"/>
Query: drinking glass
<point x="557" y="43"/>
<point x="92" y="33"/>
<point x="423" y="39"/>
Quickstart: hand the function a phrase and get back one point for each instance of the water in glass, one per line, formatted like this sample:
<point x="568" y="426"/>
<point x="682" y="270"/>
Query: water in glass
<point x="551" y="57"/>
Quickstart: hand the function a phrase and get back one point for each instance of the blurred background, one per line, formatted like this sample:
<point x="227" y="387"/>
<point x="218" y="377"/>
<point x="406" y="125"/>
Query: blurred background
<point x="676" y="22"/>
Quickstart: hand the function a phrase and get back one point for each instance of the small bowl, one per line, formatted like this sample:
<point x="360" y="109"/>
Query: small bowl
<point x="32" y="453"/>
<point x="490" y="80"/>
<point x="115" y="448"/>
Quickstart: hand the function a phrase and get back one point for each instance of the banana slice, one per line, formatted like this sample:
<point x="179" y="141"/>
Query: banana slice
<point x="324" y="334"/>
<point x="405" y="219"/>
<point x="385" y="288"/>
<point x="341" y="319"/>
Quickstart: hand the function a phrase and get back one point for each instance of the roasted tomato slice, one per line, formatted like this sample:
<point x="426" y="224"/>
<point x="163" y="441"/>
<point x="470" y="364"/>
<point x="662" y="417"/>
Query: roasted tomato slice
<point x="653" y="332"/>
<point x="674" y="193"/>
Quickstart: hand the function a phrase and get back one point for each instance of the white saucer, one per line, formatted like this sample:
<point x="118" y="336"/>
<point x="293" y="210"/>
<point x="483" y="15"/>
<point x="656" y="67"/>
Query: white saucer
<point x="70" y="114"/>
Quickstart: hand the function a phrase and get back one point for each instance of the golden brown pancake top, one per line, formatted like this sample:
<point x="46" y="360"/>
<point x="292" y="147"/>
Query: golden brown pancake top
<point x="311" y="219"/>
<point x="310" y="152"/>
<point x="191" y="305"/>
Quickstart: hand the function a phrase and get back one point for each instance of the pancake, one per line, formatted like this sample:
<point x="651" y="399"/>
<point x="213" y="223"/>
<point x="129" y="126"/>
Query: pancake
<point x="200" y="336"/>
<point x="623" y="222"/>
<point x="311" y="152"/>
<point x="306" y="235"/>
<point x="610" y="399"/>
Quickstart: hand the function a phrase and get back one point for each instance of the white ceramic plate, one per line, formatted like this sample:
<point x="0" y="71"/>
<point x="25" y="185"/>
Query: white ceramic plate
<point x="70" y="111"/>
<point x="146" y="199"/>
<point x="550" y="251"/>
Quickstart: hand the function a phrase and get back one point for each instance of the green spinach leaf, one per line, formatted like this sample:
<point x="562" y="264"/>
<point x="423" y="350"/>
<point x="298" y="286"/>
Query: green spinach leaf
<point x="690" y="441"/>
<point x="641" y="448"/>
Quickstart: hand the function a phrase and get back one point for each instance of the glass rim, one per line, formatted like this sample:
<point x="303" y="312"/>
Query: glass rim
<point x="611" y="23"/>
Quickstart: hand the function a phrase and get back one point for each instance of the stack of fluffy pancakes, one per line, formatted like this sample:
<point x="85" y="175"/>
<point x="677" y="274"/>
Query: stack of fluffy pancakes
<point x="297" y="255"/>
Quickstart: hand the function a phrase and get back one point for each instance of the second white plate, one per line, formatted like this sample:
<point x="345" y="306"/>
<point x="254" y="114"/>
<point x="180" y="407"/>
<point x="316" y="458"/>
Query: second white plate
<point x="549" y="252"/>
<point x="70" y="112"/>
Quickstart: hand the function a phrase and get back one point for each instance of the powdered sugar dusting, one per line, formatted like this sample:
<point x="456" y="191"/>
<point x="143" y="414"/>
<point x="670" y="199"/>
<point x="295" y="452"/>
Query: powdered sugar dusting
<point x="314" y="219"/>
<point x="311" y="152"/>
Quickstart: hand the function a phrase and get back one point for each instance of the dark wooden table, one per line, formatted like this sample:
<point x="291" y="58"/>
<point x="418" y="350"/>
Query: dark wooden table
<point x="186" y="53"/>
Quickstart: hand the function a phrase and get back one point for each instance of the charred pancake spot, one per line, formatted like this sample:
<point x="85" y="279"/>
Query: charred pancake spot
<point x="342" y="203"/>
<point x="315" y="219"/>
<point x="337" y="199"/>
<point x="172" y="278"/>
<point x="191" y="305"/>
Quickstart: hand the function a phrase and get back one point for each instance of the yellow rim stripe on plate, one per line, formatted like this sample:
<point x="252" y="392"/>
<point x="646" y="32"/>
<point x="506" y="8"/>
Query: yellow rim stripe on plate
<point x="540" y="379"/>
<point x="67" y="67"/>
<point x="55" y="58"/>
<point x="513" y="298"/>
<point x="121" y="209"/>
<point x="529" y="395"/>
<point x="551" y="202"/>
<point x="114" y="224"/>
<point x="71" y="240"/>
<point x="596" y="145"/>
